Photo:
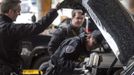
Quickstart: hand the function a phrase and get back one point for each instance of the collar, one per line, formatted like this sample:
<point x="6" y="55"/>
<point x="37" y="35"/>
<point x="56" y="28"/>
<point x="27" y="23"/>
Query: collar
<point x="6" y="18"/>
<point x="74" y="28"/>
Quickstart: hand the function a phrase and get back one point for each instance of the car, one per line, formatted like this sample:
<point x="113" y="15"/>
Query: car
<point x="34" y="51"/>
<point x="116" y="25"/>
<point x="117" y="28"/>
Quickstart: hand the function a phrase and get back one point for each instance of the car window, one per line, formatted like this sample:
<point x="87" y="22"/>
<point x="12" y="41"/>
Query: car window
<point x="25" y="8"/>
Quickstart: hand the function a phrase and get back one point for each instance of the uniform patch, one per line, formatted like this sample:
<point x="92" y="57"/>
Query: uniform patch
<point x="69" y="49"/>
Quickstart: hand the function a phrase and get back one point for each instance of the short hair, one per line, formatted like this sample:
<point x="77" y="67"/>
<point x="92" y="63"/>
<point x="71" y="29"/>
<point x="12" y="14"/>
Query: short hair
<point x="77" y="11"/>
<point x="6" y="5"/>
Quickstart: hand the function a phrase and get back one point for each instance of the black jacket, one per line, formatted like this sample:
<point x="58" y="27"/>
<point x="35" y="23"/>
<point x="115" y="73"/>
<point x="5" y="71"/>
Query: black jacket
<point x="61" y="34"/>
<point x="69" y="55"/>
<point x="11" y="35"/>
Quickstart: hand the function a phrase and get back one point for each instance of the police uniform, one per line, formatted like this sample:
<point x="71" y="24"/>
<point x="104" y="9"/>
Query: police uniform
<point x="69" y="55"/>
<point x="61" y="34"/>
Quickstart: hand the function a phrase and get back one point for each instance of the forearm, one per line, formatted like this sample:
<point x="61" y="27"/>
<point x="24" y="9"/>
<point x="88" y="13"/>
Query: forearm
<point x="49" y="18"/>
<point x="27" y="29"/>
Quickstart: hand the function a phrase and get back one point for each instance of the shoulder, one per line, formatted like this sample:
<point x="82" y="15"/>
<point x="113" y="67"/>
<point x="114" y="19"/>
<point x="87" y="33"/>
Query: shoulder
<point x="62" y="29"/>
<point x="73" y="43"/>
<point x="59" y="30"/>
<point x="69" y="49"/>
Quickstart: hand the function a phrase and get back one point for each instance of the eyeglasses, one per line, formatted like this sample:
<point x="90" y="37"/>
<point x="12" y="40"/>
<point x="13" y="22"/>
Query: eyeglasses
<point x="16" y="10"/>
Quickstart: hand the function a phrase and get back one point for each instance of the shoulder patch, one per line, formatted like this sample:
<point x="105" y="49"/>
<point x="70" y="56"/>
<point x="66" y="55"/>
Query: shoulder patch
<point x="70" y="49"/>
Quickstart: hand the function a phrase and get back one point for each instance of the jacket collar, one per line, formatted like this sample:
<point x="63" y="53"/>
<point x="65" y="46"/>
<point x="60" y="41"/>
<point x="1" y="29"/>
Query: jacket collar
<point x="6" y="18"/>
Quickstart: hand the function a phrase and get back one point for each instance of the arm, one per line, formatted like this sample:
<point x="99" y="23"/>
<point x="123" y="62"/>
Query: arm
<point x="24" y="30"/>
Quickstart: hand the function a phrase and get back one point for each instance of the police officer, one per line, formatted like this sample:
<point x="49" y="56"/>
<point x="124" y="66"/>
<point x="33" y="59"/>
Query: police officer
<point x="74" y="28"/>
<point x="72" y="52"/>
<point x="11" y="34"/>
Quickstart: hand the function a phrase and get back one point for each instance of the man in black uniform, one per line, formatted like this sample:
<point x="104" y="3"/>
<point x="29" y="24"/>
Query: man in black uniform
<point x="74" y="28"/>
<point x="72" y="52"/>
<point x="11" y="34"/>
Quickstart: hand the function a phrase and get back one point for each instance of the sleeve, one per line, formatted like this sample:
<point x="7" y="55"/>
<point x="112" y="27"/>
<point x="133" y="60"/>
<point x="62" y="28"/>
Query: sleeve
<point x="56" y="39"/>
<point x="25" y="30"/>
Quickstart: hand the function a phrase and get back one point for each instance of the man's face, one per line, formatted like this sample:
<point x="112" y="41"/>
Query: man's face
<point x="13" y="13"/>
<point x="91" y="43"/>
<point x="78" y="20"/>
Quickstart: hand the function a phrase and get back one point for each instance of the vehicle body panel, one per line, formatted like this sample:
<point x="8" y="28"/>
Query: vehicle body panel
<point x="115" y="24"/>
<point x="35" y="48"/>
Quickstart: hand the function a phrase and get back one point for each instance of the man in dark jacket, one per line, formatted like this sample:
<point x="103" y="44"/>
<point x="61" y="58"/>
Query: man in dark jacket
<point x="11" y="34"/>
<point x="74" y="28"/>
<point x="72" y="52"/>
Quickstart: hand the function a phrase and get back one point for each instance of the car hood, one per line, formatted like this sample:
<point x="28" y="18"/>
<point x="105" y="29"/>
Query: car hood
<point x="115" y="24"/>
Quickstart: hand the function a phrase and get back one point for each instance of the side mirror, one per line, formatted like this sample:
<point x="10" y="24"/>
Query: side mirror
<point x="33" y="18"/>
